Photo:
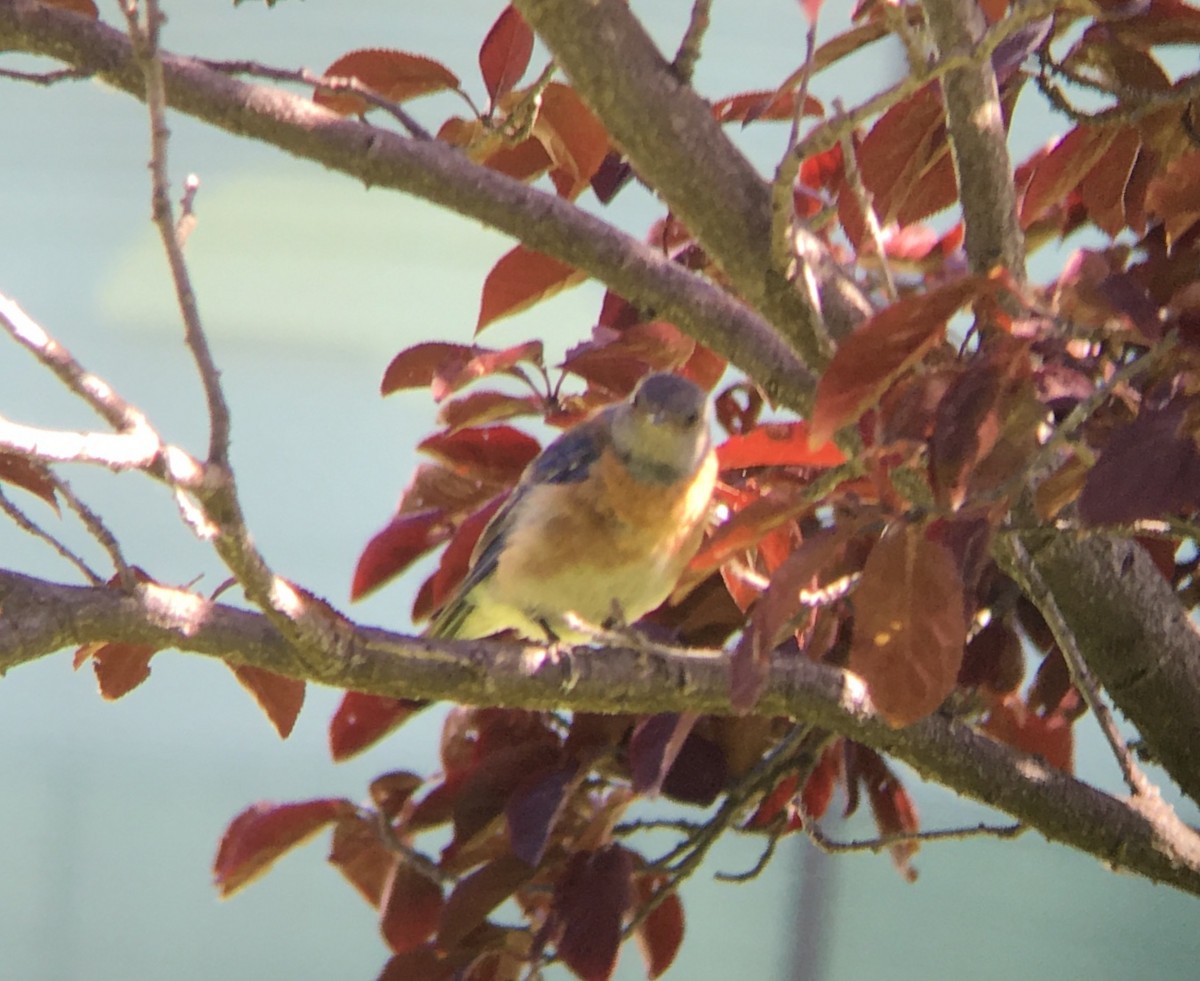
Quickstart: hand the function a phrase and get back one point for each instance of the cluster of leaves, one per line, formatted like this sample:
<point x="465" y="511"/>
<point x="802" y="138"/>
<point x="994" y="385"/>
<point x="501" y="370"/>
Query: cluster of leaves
<point x="872" y="554"/>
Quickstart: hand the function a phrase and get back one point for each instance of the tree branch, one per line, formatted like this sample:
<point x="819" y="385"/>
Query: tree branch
<point x="685" y="156"/>
<point x="977" y="140"/>
<point x="42" y="617"/>
<point x="435" y="172"/>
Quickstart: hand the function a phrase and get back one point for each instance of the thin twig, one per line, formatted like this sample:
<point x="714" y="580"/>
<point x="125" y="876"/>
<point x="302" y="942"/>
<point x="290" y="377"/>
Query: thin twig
<point x="865" y="204"/>
<point x="143" y="35"/>
<point x="47" y="78"/>
<point x="783" y="204"/>
<point x="1081" y="675"/>
<point x="684" y="63"/>
<point x="99" y="531"/>
<point x="28" y="525"/>
<point x="330" y="83"/>
<point x="879" y="843"/>
<point x="774" y="833"/>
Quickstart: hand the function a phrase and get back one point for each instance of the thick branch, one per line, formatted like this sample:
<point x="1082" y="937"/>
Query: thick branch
<point x="41" y="617"/>
<point x="977" y="140"/>
<point x="433" y="171"/>
<point x="669" y="133"/>
<point x="1138" y="640"/>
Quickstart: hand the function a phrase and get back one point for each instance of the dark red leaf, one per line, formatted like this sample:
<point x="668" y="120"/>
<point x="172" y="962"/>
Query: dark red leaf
<point x="777" y="444"/>
<point x="780" y="605"/>
<point x="533" y="808"/>
<point x="993" y="659"/>
<point x="699" y="773"/>
<point x="119" y="667"/>
<point x="505" y="53"/>
<point x="660" y="934"/>
<point x="909" y="624"/>
<point x="893" y="809"/>
<point x="882" y="347"/>
<point x="395" y="75"/>
<point x="498" y="453"/>
<point x="475" y="896"/>
<point x="262" y="833"/>
<point x="404" y="540"/>
<point x="654" y="746"/>
<point x="1174" y="195"/>
<point x="412" y="908"/>
<point x="487" y="790"/>
<point x="613" y="174"/>
<point x="423" y="964"/>
<point x="518" y="280"/>
<point x="391" y="791"/>
<point x="85" y="8"/>
<point x="361" y="856"/>
<point x="1149" y="469"/>
<point x="31" y="475"/>
<point x="590" y="902"/>
<point x="279" y="697"/>
<point x="361" y="720"/>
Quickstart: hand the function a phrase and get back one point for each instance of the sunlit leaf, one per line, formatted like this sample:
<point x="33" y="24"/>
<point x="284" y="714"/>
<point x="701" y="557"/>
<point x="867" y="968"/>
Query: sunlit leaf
<point x="520" y="279"/>
<point x="279" y="697"/>
<point x="505" y="53"/>
<point x="394" y="75"/>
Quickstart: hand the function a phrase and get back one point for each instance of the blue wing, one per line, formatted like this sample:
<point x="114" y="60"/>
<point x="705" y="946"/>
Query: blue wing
<point x="567" y="460"/>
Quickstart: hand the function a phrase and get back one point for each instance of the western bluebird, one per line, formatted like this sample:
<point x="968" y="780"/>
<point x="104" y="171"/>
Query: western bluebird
<point x="602" y="521"/>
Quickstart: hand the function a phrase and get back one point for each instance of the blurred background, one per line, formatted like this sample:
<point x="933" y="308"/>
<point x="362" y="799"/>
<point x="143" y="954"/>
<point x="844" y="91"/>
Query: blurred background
<point x="308" y="284"/>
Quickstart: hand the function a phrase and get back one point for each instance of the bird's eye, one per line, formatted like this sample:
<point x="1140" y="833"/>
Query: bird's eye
<point x="691" y="418"/>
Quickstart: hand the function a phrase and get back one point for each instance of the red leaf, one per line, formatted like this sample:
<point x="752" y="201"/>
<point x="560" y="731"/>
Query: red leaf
<point x="905" y="144"/>
<point x="280" y="697"/>
<point x="358" y="853"/>
<point x="488" y="789"/>
<point x="892" y="807"/>
<point x="419" y="365"/>
<point x="480" y="408"/>
<point x="909" y="624"/>
<point x="423" y="964"/>
<point x="699" y="774"/>
<point x="477" y="895"/>
<point x="29" y="474"/>
<point x="572" y="137"/>
<point x="391" y="791"/>
<point x="520" y="279"/>
<point x="395" y="75"/>
<point x="750" y="106"/>
<point x="654" y="746"/>
<point x="533" y="808"/>
<point x="505" y="53"/>
<point x="263" y="832"/>
<point x="1174" y="195"/>
<point x="781" y="603"/>
<point x="119" y="668"/>
<point x="660" y="934"/>
<point x="494" y="452"/>
<point x="1062" y="169"/>
<point x="389" y="552"/>
<point x="1103" y="189"/>
<point x="361" y="720"/>
<point x="412" y="908"/>
<point x="85" y="8"/>
<point x="590" y="902"/>
<point x="772" y="444"/>
<point x="1049" y="736"/>
<point x="1149" y="469"/>
<point x="881" y="348"/>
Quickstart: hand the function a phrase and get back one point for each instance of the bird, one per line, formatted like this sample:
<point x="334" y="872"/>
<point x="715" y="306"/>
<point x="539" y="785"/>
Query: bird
<point x="600" y="525"/>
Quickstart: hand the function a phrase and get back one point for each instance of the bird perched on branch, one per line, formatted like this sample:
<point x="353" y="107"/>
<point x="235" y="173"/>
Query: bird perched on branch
<point x="600" y="525"/>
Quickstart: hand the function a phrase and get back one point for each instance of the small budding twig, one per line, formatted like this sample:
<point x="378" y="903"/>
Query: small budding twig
<point x="783" y="205"/>
<point x="684" y="63"/>
<point x="879" y="843"/>
<point x="28" y="525"/>
<point x="100" y="532"/>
